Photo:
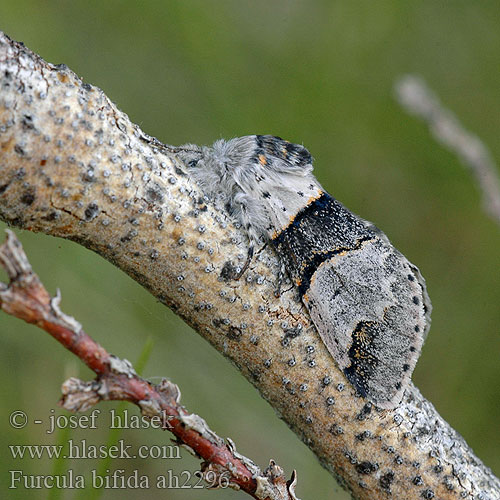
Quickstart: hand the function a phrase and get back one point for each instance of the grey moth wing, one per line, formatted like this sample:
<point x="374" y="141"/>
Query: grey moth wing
<point x="368" y="303"/>
<point x="367" y="307"/>
<point x="418" y="276"/>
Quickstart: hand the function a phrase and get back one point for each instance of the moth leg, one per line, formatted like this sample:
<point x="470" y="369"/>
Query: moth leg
<point x="242" y="209"/>
<point x="282" y="276"/>
<point x="247" y="263"/>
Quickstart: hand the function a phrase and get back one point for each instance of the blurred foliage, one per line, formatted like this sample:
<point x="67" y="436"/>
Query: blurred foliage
<point x="315" y="72"/>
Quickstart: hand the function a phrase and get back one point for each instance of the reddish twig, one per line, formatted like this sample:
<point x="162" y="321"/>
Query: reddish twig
<point x="26" y="298"/>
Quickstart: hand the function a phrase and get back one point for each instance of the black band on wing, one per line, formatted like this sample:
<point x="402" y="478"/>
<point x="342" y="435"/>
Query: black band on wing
<point x="322" y="229"/>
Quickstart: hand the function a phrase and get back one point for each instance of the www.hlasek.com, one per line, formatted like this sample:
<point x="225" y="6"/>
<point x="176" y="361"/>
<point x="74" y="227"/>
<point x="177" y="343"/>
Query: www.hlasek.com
<point x="80" y="449"/>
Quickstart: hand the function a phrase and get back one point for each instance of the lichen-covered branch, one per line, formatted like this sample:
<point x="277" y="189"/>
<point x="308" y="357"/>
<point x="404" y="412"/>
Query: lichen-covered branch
<point x="72" y="165"/>
<point x="26" y="298"/>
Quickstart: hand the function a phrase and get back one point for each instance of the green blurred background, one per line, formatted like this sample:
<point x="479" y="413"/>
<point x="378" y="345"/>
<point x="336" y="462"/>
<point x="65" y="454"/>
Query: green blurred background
<point x="319" y="73"/>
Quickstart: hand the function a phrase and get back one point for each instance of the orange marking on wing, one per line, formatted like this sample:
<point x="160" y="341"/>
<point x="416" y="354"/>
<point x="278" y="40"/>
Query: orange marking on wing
<point x="309" y="201"/>
<point x="292" y="218"/>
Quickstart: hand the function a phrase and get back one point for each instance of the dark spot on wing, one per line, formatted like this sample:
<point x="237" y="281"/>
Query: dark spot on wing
<point x="363" y="361"/>
<point x="269" y="146"/>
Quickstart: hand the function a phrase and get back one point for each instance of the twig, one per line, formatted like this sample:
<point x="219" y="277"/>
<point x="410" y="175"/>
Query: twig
<point x="417" y="98"/>
<point x="26" y="298"/>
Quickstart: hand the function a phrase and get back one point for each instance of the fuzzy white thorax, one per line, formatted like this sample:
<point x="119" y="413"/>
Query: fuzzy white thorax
<point x="261" y="191"/>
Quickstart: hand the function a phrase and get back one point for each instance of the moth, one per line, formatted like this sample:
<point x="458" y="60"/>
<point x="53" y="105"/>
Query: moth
<point x="368" y="302"/>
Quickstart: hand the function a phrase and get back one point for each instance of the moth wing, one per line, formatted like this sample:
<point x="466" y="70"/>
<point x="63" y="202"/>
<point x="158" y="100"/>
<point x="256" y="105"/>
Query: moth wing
<point x="416" y="271"/>
<point x="425" y="296"/>
<point x="368" y="307"/>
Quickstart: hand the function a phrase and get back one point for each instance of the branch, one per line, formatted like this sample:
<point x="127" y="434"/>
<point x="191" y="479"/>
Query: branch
<point x="418" y="99"/>
<point x="74" y="166"/>
<point x="26" y="298"/>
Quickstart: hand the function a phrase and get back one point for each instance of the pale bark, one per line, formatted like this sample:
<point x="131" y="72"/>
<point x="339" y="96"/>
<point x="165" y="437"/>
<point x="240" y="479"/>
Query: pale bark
<point x="26" y="298"/>
<point x="74" y="166"/>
